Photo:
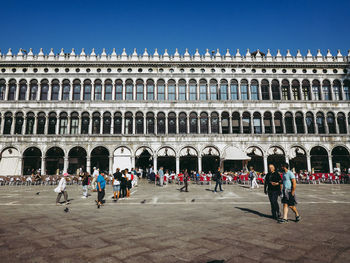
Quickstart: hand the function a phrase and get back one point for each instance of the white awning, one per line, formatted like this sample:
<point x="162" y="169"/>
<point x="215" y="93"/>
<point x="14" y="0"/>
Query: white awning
<point x="233" y="153"/>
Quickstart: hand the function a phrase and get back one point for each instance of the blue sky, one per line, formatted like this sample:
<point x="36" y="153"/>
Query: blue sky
<point x="298" y="24"/>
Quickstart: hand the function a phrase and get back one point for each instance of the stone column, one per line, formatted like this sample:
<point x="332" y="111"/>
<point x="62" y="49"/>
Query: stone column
<point x="111" y="164"/>
<point x="43" y="167"/>
<point x="144" y="125"/>
<point x="7" y="91"/>
<point x="166" y="124"/>
<point x="199" y="125"/>
<point x="199" y="163"/>
<point x="155" y="126"/>
<point x="13" y="124"/>
<point x="49" y="92"/>
<point x="24" y="126"/>
<point x="308" y="163"/>
<point x="177" y="165"/>
<point x="35" y="124"/>
<point x="134" y="125"/>
<point x="188" y="124"/>
<point x="68" y="125"/>
<point x="65" y="164"/>
<point x="2" y="122"/>
<point x="155" y="163"/>
<point x="265" y="165"/>
<point x="220" y="125"/>
<point x="123" y="124"/>
<point x="101" y="125"/>
<point x="88" y="163"/>
<point x="112" y="125"/>
<point x="177" y="124"/>
<point x="133" y="162"/>
<point x="103" y="91"/>
<point x="46" y="130"/>
<point x="330" y="163"/>
<point x="230" y="124"/>
<point x="60" y="91"/>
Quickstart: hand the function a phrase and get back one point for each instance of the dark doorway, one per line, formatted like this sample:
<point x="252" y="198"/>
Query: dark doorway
<point x="31" y="160"/>
<point x="277" y="160"/>
<point x="77" y="160"/>
<point x="144" y="160"/>
<point x="319" y="159"/>
<point x="100" y="159"/>
<point x="188" y="162"/>
<point x="54" y="160"/>
<point x="256" y="161"/>
<point x="167" y="162"/>
<point x="210" y="163"/>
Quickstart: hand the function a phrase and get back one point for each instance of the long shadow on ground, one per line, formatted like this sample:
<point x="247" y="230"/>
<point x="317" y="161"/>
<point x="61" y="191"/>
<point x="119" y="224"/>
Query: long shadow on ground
<point x="247" y="210"/>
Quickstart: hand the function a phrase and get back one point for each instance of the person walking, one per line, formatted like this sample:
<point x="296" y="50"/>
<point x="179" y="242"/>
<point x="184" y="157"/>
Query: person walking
<point x="101" y="184"/>
<point x="61" y="190"/>
<point x="116" y="184"/>
<point x="85" y="184"/>
<point x="123" y="184"/>
<point x="253" y="176"/>
<point x="161" y="176"/>
<point x="218" y="180"/>
<point x="288" y="194"/>
<point x="186" y="176"/>
<point x="129" y="178"/>
<point x="273" y="188"/>
<point x="95" y="174"/>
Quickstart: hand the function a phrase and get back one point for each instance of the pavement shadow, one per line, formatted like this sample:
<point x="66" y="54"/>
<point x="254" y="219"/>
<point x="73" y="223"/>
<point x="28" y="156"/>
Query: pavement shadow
<point x="254" y="212"/>
<point x="210" y="190"/>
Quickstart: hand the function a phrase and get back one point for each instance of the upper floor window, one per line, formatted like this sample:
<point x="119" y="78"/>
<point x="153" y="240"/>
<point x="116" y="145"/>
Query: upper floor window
<point x="22" y="90"/>
<point x="223" y="90"/>
<point x="44" y="93"/>
<point x="265" y="90"/>
<point x="203" y="89"/>
<point x="234" y="90"/>
<point x="139" y="90"/>
<point x="244" y="90"/>
<point x="87" y="89"/>
<point x="306" y="90"/>
<point x="213" y="90"/>
<point x="346" y="89"/>
<point x="171" y="90"/>
<point x="182" y="90"/>
<point x="316" y="90"/>
<point x="98" y="90"/>
<point x="76" y="90"/>
<point x="108" y="89"/>
<point x="161" y="90"/>
<point x="193" y="90"/>
<point x="150" y="90"/>
<point x="118" y="90"/>
<point x="33" y="91"/>
<point x="326" y="88"/>
<point x="254" y="90"/>
<point x="2" y="89"/>
<point x="66" y="90"/>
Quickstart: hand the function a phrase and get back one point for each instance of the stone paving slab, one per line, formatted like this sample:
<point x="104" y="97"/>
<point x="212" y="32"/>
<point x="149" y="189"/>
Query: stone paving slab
<point x="199" y="226"/>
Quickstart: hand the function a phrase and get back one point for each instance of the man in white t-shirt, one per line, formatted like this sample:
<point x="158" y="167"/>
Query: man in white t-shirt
<point x="94" y="179"/>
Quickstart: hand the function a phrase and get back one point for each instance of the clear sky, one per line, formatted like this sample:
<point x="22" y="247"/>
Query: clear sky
<point x="275" y="24"/>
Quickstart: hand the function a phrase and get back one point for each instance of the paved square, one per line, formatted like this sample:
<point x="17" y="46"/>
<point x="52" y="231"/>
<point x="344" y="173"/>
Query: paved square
<point x="170" y="226"/>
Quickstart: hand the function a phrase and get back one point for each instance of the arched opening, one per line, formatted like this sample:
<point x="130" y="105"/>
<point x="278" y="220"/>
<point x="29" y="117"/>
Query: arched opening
<point x="246" y="121"/>
<point x="265" y="89"/>
<point x="2" y="89"/>
<point x="337" y="95"/>
<point x="331" y="122"/>
<point x="107" y="120"/>
<point x="320" y="123"/>
<point x="257" y="123"/>
<point x="118" y="119"/>
<point x="10" y="162"/>
<point x="160" y="123"/>
<point x="171" y="90"/>
<point x="161" y="89"/>
<point x="52" y="123"/>
<point x="234" y="89"/>
<point x="139" y="89"/>
<point x="96" y="123"/>
<point x="139" y="122"/>
<point x="326" y="88"/>
<point x="213" y="89"/>
<point x="236" y="122"/>
<point x="310" y="123"/>
<point x="150" y="122"/>
<point x="31" y="160"/>
<point x="122" y="158"/>
<point x="7" y="123"/>
<point x="316" y="89"/>
<point x="193" y="123"/>
<point x="55" y="89"/>
<point x="244" y="90"/>
<point x="296" y="89"/>
<point x="87" y="89"/>
<point x="257" y="159"/>
<point x="76" y="160"/>
<point x="298" y="161"/>
<point x="30" y="123"/>
<point x="225" y="122"/>
<point x="76" y="89"/>
<point x="144" y="158"/>
<point x="40" y="129"/>
<point x="275" y="88"/>
<point x="129" y="89"/>
<point x="319" y="159"/>
<point x="108" y="89"/>
<point x="210" y="159"/>
<point x="299" y="122"/>
<point x="100" y="159"/>
<point x="98" y="90"/>
<point x="63" y="123"/>
<point x="19" y="120"/>
<point x="204" y="122"/>
<point x="223" y="89"/>
<point x="276" y="156"/>
<point x="22" y="90"/>
<point x="54" y="161"/>
<point x="128" y="123"/>
<point x="182" y="122"/>
<point x="268" y="122"/>
<point x="193" y="89"/>
<point x="33" y="89"/>
<point x="254" y="90"/>
<point x="306" y="92"/>
<point x="172" y="123"/>
<point x="119" y="89"/>
<point x="74" y="123"/>
<point x="288" y="122"/>
<point x="214" y="122"/>
<point x="66" y="89"/>
<point x="12" y="90"/>
<point x="188" y="159"/>
<point x="85" y="121"/>
<point x="341" y="158"/>
<point x="346" y="89"/>
<point x="166" y="159"/>
<point x="341" y="120"/>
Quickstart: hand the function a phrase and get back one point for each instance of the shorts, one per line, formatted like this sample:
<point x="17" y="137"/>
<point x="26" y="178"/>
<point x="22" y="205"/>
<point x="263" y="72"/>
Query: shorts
<point x="128" y="184"/>
<point x="116" y="188"/>
<point x="288" y="198"/>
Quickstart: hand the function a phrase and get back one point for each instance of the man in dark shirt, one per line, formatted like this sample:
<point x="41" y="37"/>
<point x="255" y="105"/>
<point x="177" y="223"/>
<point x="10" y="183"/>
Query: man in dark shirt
<point x="218" y="180"/>
<point x="272" y="187"/>
<point x="85" y="182"/>
<point x="117" y="178"/>
<point x="186" y="177"/>
<point x="123" y="183"/>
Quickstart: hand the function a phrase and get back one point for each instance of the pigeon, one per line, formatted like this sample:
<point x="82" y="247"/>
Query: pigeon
<point x="66" y="210"/>
<point x="38" y="193"/>
<point x="193" y="200"/>
<point x="144" y="201"/>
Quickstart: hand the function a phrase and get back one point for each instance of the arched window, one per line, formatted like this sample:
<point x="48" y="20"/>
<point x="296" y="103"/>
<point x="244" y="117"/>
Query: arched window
<point x="268" y="122"/>
<point x="171" y="90"/>
<point x="288" y="122"/>
<point x="316" y="89"/>
<point x="204" y="122"/>
<point x="66" y="90"/>
<point x="320" y="123"/>
<point x="193" y="89"/>
<point x="106" y="123"/>
<point x="285" y="90"/>
<point x="108" y="90"/>
<point x="52" y="123"/>
<point x="275" y="88"/>
<point x="337" y="90"/>
<point x="310" y="123"/>
<point x="85" y="121"/>
<point x="246" y="121"/>
<point x="225" y="122"/>
<point x="76" y="89"/>
<point x="96" y="123"/>
<point x="118" y="123"/>
<point x="236" y="122"/>
<point x="139" y="89"/>
<point x="331" y="122"/>
<point x="2" y="89"/>
<point x="278" y="122"/>
<point x="41" y="119"/>
<point x="119" y="89"/>
<point x="7" y="123"/>
<point x="265" y="89"/>
<point x="171" y="123"/>
<point x="202" y="89"/>
<point x="150" y="122"/>
<point x="223" y="90"/>
<point x="22" y="90"/>
<point x="257" y="123"/>
<point x="182" y="122"/>
<point x="44" y="92"/>
<point x="128" y="123"/>
<point x="19" y="123"/>
<point x="319" y="160"/>
<point x="341" y="123"/>
<point x="161" y="89"/>
<point x="150" y="89"/>
<point x="182" y="89"/>
<point x="87" y="89"/>
<point x="160" y="123"/>
<point x="129" y="86"/>
<point x="326" y="88"/>
<point x="214" y="122"/>
<point x="139" y="123"/>
<point x="12" y="90"/>
<point x="306" y="90"/>
<point x="30" y="123"/>
<point x="193" y="122"/>
<point x="244" y="90"/>
<point x="98" y="90"/>
<point x="55" y="89"/>
<point x="33" y="90"/>
<point x="296" y="89"/>
<point x="63" y="123"/>
<point x="74" y="123"/>
<point x="299" y="122"/>
<point x="346" y="89"/>
<point x="254" y="90"/>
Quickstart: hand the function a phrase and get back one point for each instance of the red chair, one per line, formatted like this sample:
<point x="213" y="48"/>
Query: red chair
<point x="180" y="180"/>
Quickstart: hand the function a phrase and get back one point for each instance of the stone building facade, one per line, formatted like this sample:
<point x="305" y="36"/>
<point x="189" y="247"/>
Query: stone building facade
<point x="60" y="112"/>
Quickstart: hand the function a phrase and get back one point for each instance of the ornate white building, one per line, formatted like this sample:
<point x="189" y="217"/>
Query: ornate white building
<point x="67" y="110"/>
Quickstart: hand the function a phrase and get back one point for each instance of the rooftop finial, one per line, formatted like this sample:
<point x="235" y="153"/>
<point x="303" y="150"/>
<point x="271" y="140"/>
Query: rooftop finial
<point x="166" y="55"/>
<point x="113" y="55"/>
<point x="176" y="55"/>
